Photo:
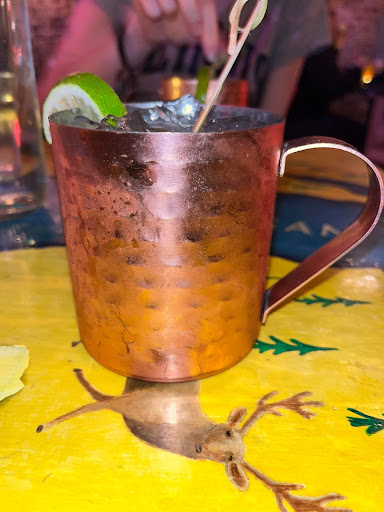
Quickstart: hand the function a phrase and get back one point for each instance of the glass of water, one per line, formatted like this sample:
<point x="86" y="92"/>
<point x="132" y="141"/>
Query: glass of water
<point x="22" y="170"/>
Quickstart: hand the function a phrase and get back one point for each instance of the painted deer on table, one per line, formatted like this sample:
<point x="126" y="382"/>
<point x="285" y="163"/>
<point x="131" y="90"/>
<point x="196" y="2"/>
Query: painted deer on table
<point x="170" y="417"/>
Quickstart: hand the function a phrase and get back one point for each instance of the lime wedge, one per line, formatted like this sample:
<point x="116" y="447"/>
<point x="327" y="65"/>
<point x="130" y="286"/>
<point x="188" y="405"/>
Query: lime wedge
<point x="90" y="94"/>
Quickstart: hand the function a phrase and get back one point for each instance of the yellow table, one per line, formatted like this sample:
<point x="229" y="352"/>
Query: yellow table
<point x="329" y="342"/>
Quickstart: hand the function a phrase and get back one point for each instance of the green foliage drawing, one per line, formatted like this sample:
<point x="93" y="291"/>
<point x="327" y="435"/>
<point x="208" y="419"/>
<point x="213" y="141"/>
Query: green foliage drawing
<point x="279" y="347"/>
<point x="316" y="299"/>
<point x="203" y="78"/>
<point x="374" y="424"/>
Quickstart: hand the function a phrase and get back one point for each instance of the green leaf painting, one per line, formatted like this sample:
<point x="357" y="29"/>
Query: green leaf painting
<point x="279" y="346"/>
<point x="374" y="424"/>
<point x="324" y="302"/>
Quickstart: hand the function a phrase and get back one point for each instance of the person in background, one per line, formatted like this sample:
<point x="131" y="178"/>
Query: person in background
<point x="374" y="143"/>
<point x="48" y="20"/>
<point x="133" y="43"/>
<point x="338" y="94"/>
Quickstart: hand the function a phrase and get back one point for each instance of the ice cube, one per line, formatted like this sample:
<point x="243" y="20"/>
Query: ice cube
<point x="173" y="116"/>
<point x="132" y="121"/>
<point x="185" y="110"/>
<point x="84" y="122"/>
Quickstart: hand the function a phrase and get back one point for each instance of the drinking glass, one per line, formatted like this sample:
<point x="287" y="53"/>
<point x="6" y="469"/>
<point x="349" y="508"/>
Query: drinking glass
<point x="22" y="169"/>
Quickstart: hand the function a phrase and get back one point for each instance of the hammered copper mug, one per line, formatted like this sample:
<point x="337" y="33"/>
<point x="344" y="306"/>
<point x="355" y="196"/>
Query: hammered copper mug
<point x="168" y="237"/>
<point x="233" y="92"/>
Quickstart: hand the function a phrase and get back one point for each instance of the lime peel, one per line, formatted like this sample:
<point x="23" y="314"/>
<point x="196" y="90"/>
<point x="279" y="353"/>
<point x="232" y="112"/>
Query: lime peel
<point x="203" y="79"/>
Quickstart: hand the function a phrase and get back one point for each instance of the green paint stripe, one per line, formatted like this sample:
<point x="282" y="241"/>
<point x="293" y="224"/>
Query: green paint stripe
<point x="324" y="302"/>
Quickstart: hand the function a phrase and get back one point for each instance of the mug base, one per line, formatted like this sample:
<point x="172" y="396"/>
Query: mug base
<point x="182" y="378"/>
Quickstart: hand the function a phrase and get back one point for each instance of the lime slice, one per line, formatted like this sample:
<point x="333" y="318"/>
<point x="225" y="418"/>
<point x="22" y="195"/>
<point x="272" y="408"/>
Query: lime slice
<point x="90" y="94"/>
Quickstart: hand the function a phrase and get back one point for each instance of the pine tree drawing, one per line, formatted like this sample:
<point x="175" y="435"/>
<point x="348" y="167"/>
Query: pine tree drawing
<point x="324" y="302"/>
<point x="280" y="347"/>
<point x="374" y="424"/>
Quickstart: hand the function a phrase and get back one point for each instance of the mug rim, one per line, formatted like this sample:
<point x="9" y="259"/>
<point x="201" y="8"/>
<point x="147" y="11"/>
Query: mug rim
<point x="256" y="114"/>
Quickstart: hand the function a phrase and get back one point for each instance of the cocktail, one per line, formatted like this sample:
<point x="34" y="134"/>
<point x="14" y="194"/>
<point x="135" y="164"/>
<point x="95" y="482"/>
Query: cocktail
<point x="168" y="214"/>
<point x="168" y="234"/>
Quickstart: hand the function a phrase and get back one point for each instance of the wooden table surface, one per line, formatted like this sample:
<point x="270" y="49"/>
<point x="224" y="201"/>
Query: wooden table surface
<point x="328" y="341"/>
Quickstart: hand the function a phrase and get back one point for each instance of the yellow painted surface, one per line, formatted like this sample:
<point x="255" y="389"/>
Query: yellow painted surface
<point x="94" y="463"/>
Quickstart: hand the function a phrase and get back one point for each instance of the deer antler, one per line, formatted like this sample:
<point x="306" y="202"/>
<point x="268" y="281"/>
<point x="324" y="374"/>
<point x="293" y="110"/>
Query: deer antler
<point x="294" y="403"/>
<point x="283" y="494"/>
<point x="305" y="504"/>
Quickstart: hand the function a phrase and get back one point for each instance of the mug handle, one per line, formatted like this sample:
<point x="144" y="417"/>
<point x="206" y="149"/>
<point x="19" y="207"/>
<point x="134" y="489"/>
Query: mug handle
<point x="342" y="243"/>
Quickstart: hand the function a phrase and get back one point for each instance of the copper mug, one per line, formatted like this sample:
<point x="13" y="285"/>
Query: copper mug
<point x="168" y="237"/>
<point x="233" y="92"/>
